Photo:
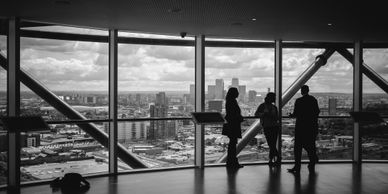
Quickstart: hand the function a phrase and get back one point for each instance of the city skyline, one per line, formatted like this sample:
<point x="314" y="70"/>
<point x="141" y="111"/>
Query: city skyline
<point x="76" y="66"/>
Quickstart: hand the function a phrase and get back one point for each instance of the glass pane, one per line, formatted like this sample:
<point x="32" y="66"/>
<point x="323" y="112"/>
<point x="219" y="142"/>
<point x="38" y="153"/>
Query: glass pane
<point x="295" y="62"/>
<point x="64" y="149"/>
<point x="3" y="112"/>
<point x="154" y="81"/>
<point x="175" y="149"/>
<point x="251" y="71"/>
<point x="334" y="141"/>
<point x="374" y="136"/>
<point x="76" y="72"/>
<point x="333" y="100"/>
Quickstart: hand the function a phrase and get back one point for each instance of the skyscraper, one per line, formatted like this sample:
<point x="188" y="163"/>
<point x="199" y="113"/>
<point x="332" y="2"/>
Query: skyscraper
<point x="215" y="105"/>
<point x="159" y="109"/>
<point x="192" y="93"/>
<point x="332" y="106"/>
<point x="252" y="96"/>
<point x="242" y="90"/>
<point x="211" y="91"/>
<point x="219" y="89"/>
<point x="235" y="82"/>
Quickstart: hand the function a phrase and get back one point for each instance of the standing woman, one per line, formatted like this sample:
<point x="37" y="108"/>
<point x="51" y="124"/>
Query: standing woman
<point x="232" y="128"/>
<point x="268" y="114"/>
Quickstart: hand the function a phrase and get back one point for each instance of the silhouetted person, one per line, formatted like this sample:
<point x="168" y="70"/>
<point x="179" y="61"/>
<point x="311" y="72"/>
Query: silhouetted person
<point x="232" y="128"/>
<point x="306" y="112"/>
<point x="268" y="114"/>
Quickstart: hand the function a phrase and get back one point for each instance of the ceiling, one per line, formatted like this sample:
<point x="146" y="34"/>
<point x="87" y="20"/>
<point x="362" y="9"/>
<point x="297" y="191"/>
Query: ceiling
<point x="325" y="20"/>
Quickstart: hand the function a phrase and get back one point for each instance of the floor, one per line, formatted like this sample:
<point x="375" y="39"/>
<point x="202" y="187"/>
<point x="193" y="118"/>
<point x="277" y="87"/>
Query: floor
<point x="329" y="178"/>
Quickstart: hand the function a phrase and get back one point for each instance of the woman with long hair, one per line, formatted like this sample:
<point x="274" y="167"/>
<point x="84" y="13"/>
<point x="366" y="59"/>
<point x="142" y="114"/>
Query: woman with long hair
<point x="232" y="128"/>
<point x="268" y="114"/>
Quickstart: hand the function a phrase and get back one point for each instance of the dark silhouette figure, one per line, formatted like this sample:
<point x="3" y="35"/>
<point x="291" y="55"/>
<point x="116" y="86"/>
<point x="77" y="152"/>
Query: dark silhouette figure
<point x="306" y="112"/>
<point x="268" y="114"/>
<point x="70" y="183"/>
<point x="232" y="128"/>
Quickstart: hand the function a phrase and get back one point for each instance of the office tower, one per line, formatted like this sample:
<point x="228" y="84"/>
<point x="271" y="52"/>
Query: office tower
<point x="332" y="106"/>
<point x="192" y="93"/>
<point x="252" y="96"/>
<point x="219" y="89"/>
<point x="138" y="98"/>
<point x="242" y="90"/>
<point x="211" y="91"/>
<point x="235" y="82"/>
<point x="159" y="109"/>
<point x="215" y="105"/>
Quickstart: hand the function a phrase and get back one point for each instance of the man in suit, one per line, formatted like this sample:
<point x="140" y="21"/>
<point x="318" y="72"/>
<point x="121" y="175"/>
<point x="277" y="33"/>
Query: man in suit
<point x="306" y="112"/>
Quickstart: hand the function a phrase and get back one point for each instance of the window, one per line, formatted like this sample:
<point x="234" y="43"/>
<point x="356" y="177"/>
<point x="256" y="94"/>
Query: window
<point x="251" y="71"/>
<point x="3" y="112"/>
<point x="335" y="136"/>
<point x="375" y="137"/>
<point x="154" y="82"/>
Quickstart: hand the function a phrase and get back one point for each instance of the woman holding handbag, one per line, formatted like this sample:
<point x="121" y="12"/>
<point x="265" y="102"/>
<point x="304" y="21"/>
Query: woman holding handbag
<point x="232" y="128"/>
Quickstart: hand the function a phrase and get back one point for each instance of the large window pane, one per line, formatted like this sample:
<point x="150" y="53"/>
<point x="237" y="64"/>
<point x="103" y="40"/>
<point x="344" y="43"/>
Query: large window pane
<point x="154" y="81"/>
<point x="77" y="72"/>
<point x="173" y="151"/>
<point x="333" y="100"/>
<point x="64" y="149"/>
<point x="334" y="141"/>
<point x="375" y="137"/>
<point x="251" y="71"/>
<point x="3" y="112"/>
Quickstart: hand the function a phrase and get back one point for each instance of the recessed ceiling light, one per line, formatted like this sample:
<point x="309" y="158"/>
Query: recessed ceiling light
<point x="329" y="24"/>
<point x="174" y="10"/>
<point x="253" y="19"/>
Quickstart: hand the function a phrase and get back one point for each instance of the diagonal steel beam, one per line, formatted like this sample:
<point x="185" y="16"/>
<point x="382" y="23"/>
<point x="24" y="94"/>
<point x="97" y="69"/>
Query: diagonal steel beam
<point x="71" y="113"/>
<point x="254" y="129"/>
<point x="365" y="69"/>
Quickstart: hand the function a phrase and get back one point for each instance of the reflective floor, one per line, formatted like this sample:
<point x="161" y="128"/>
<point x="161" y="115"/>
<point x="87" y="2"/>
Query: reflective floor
<point x="329" y="178"/>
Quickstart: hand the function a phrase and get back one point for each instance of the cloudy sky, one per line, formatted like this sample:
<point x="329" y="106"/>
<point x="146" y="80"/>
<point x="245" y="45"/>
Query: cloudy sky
<point x="83" y="66"/>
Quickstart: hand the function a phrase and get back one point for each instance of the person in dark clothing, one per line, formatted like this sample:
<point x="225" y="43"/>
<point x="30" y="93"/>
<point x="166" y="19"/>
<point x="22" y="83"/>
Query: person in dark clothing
<point x="306" y="112"/>
<point x="268" y="114"/>
<point x="232" y="128"/>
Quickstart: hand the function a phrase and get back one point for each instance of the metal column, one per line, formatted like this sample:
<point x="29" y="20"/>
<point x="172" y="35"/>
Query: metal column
<point x="13" y="100"/>
<point x="113" y="101"/>
<point x="357" y="99"/>
<point x="278" y="88"/>
<point x="199" y="99"/>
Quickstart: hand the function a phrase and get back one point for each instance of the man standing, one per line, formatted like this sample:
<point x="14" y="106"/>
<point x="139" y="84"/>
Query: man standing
<point x="306" y="112"/>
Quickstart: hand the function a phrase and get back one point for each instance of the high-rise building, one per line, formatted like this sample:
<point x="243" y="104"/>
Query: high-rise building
<point x="159" y="109"/>
<point x="242" y="90"/>
<point x="332" y="106"/>
<point x="129" y="131"/>
<point x="252" y="96"/>
<point x="211" y="91"/>
<point x="215" y="105"/>
<point x="235" y="82"/>
<point x="219" y="89"/>
<point x="192" y="93"/>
